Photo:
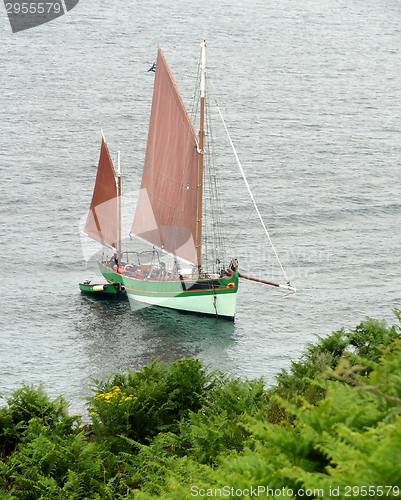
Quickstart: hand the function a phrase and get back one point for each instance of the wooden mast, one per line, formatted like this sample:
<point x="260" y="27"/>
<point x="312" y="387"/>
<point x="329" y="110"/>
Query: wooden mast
<point x="200" y="159"/>
<point x="119" y="208"/>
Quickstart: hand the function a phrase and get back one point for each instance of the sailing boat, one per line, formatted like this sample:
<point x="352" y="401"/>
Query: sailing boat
<point x="168" y="216"/>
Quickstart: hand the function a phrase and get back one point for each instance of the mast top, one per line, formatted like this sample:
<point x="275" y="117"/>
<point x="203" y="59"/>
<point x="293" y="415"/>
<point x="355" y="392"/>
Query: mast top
<point x="203" y="69"/>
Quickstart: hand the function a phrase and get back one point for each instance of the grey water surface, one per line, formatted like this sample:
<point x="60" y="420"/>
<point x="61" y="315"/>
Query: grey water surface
<point x="311" y="93"/>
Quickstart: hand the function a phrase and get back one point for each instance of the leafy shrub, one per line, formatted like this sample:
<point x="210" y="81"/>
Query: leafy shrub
<point x="370" y="337"/>
<point x="60" y="464"/>
<point x="138" y="405"/>
<point x="351" y="438"/>
<point x="367" y="340"/>
<point x="218" y="428"/>
<point x="23" y="405"/>
<point x="332" y="420"/>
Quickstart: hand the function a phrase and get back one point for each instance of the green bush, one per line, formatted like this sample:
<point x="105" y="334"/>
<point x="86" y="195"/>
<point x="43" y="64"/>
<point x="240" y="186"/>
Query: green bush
<point x="61" y="464"/>
<point x="333" y="420"/>
<point x="367" y="340"/>
<point x="217" y="428"/>
<point x="23" y="405"/>
<point x="351" y="438"/>
<point x="139" y="405"/>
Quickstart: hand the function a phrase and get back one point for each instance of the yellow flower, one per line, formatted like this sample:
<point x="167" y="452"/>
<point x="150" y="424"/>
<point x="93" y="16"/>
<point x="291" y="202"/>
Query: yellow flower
<point x="93" y="413"/>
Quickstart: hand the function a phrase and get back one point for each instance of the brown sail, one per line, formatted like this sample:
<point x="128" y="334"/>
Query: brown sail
<point x="101" y="223"/>
<point x="166" y="213"/>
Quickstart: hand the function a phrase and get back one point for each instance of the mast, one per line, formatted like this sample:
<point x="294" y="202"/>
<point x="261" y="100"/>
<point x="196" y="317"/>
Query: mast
<point x="200" y="158"/>
<point x="118" y="207"/>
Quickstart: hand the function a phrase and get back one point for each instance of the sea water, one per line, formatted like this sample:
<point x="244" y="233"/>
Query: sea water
<point x="311" y="95"/>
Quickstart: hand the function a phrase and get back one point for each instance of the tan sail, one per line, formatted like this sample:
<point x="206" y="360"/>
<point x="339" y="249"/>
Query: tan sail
<point x="102" y="223"/>
<point x="166" y="213"/>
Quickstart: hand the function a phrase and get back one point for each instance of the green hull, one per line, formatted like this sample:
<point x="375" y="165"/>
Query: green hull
<point x="216" y="296"/>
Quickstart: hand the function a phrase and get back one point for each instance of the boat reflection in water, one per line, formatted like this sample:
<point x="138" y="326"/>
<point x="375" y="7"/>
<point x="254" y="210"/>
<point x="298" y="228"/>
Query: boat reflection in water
<point x="117" y="338"/>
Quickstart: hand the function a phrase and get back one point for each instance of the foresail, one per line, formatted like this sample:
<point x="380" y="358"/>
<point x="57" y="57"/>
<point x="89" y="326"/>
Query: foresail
<point x="101" y="223"/>
<point x="166" y="214"/>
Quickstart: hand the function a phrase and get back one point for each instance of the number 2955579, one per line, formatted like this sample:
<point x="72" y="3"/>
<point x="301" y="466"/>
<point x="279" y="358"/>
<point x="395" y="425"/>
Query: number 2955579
<point x="33" y="8"/>
<point x="371" y="491"/>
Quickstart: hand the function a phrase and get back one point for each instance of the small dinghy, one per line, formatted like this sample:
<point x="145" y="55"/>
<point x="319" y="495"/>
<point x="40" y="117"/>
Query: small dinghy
<point x="106" y="290"/>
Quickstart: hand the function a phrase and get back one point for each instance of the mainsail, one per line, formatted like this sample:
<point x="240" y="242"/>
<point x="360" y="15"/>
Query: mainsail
<point x="102" y="224"/>
<point x="166" y="212"/>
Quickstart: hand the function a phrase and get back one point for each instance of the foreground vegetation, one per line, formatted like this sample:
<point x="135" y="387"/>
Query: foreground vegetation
<point x="331" y="424"/>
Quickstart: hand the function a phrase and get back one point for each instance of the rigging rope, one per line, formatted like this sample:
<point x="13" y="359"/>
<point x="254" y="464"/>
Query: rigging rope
<point x="213" y="235"/>
<point x="250" y="192"/>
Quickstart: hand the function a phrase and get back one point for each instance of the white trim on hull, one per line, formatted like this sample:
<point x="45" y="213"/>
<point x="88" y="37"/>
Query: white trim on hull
<point x="204" y="304"/>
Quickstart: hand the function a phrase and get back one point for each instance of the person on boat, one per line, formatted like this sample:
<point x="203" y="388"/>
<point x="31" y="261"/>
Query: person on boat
<point x="129" y="269"/>
<point x="232" y="267"/>
<point x="114" y="261"/>
<point x="117" y="269"/>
